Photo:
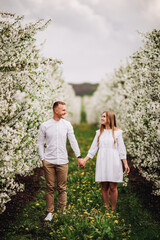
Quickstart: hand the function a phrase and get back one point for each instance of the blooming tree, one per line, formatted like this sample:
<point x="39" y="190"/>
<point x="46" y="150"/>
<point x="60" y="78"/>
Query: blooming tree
<point x="142" y="109"/>
<point x="29" y="86"/>
<point x="132" y="92"/>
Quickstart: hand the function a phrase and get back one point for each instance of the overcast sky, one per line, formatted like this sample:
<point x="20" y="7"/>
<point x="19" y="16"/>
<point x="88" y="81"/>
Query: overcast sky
<point x="91" y="37"/>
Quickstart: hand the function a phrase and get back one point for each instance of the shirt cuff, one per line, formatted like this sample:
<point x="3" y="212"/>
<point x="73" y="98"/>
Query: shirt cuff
<point x="90" y="155"/>
<point x="123" y="156"/>
<point x="77" y="155"/>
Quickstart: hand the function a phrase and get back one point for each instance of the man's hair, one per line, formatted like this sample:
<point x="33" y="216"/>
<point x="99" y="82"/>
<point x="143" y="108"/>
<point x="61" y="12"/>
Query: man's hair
<point x="57" y="103"/>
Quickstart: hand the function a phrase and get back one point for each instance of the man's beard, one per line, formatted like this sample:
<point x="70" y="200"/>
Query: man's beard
<point x="62" y="116"/>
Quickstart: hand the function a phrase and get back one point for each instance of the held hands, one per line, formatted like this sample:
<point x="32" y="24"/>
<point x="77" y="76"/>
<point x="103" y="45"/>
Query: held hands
<point x="81" y="162"/>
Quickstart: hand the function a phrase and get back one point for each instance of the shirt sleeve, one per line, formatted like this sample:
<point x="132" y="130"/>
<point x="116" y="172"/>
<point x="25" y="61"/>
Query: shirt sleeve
<point x="40" y="141"/>
<point x="73" y="141"/>
<point x="121" y="147"/>
<point x="94" y="147"/>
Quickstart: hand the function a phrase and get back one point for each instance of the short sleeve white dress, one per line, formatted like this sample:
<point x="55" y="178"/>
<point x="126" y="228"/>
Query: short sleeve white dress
<point x="108" y="165"/>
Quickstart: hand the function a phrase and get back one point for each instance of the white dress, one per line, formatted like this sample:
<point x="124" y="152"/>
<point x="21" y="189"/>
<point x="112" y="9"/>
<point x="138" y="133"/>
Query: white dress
<point x="109" y="164"/>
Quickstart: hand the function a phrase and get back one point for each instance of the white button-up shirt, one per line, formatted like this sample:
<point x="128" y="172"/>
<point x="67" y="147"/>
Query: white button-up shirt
<point x="54" y="135"/>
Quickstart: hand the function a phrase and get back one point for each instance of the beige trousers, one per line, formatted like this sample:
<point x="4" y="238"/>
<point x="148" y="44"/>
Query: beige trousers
<point x="52" y="173"/>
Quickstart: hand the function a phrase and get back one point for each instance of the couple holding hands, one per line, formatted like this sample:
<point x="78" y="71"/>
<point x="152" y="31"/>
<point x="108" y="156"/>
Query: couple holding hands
<point x="52" y="150"/>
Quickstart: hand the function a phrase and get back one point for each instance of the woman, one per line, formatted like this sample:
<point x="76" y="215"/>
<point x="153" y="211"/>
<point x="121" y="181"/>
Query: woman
<point x="111" y="150"/>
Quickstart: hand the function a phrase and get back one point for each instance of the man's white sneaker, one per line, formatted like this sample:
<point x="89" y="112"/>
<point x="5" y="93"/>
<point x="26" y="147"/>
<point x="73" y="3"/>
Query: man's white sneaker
<point x="49" y="217"/>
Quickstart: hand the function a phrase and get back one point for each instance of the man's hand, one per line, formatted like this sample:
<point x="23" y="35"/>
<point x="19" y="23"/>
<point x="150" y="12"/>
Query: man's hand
<point x="82" y="162"/>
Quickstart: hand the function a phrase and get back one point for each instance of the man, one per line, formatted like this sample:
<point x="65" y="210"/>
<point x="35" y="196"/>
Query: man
<point x="54" y="134"/>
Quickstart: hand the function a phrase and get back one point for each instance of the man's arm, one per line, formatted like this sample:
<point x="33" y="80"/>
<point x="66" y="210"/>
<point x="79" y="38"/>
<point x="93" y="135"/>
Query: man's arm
<point x="40" y="142"/>
<point x="73" y="142"/>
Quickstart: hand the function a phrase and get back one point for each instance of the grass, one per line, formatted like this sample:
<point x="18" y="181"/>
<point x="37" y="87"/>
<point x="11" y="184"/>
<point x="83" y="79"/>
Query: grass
<point x="83" y="113"/>
<point x="85" y="217"/>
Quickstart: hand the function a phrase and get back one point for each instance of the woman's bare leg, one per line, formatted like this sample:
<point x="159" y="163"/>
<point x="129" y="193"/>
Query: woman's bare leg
<point x="114" y="194"/>
<point x="105" y="194"/>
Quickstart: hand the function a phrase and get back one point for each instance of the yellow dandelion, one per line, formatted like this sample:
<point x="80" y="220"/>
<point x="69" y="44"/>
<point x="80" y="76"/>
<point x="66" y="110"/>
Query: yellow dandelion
<point x="116" y="221"/>
<point x="37" y="204"/>
<point x="26" y="229"/>
<point x="86" y="213"/>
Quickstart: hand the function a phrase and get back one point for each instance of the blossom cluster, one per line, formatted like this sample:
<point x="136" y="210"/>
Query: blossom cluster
<point x="29" y="86"/>
<point x="132" y="92"/>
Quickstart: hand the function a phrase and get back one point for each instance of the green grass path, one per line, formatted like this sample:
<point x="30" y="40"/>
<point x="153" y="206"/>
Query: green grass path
<point x="85" y="216"/>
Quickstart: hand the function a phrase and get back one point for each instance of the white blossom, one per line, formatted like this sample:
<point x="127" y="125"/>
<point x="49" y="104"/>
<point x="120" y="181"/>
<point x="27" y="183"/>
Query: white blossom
<point x="132" y="92"/>
<point x="29" y="86"/>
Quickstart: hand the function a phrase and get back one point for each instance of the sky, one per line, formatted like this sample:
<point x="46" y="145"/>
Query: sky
<point x="90" y="37"/>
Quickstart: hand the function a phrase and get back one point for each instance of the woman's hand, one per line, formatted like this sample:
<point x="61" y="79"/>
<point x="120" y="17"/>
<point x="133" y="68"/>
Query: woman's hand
<point x="84" y="162"/>
<point x="80" y="162"/>
<point x="127" y="169"/>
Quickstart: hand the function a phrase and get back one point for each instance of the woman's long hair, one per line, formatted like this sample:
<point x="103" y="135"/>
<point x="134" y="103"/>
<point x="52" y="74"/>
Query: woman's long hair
<point x="112" y="123"/>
